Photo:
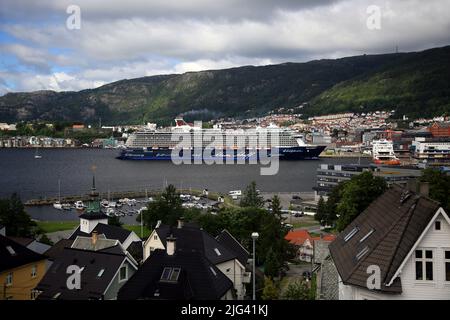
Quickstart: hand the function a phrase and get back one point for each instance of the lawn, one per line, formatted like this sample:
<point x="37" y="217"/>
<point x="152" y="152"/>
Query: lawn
<point x="137" y="230"/>
<point x="53" y="226"/>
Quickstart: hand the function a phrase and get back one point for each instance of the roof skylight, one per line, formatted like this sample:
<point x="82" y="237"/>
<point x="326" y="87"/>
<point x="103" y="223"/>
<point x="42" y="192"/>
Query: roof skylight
<point x="351" y="234"/>
<point x="367" y="235"/>
<point x="11" y="250"/>
<point x="362" y="253"/>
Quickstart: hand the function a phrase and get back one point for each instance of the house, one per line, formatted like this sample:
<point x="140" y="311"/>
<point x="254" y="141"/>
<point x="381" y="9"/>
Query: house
<point x="224" y="252"/>
<point x="177" y="273"/>
<point x="21" y="269"/>
<point x="93" y="220"/>
<point x="304" y="243"/>
<point x="327" y="287"/>
<point x="398" y="248"/>
<point x="31" y="244"/>
<point x="102" y="274"/>
<point x="440" y="129"/>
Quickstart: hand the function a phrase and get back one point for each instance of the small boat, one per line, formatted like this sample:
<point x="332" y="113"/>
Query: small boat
<point x="79" y="205"/>
<point x="57" y="205"/>
<point x="110" y="212"/>
<point x="66" y="206"/>
<point x="104" y="203"/>
<point x="37" y="155"/>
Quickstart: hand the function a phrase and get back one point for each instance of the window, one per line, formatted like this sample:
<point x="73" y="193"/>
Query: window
<point x="9" y="279"/>
<point x="437" y="225"/>
<point x="11" y="250"/>
<point x="34" y="271"/>
<point x="217" y="251"/>
<point x="424" y="265"/>
<point x="123" y="273"/>
<point x="447" y="265"/>
<point x="351" y="234"/>
<point x="175" y="274"/>
<point x="56" y="296"/>
<point x="100" y="273"/>
<point x="367" y="235"/>
<point x="362" y="253"/>
<point x="166" y="273"/>
<point x="155" y="237"/>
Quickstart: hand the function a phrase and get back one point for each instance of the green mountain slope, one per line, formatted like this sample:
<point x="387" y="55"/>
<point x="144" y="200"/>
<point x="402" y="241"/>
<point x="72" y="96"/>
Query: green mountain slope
<point x="412" y="83"/>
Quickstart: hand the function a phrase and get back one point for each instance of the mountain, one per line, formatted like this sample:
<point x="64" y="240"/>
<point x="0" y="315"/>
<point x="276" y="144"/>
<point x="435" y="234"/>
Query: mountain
<point x="416" y="84"/>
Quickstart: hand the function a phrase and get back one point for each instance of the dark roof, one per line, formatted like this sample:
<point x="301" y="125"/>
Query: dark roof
<point x="226" y="239"/>
<point x="93" y="216"/>
<point x="58" y="247"/>
<point x="19" y="256"/>
<point x="110" y="232"/>
<point x="23" y="241"/>
<point x="92" y="286"/>
<point x="136" y="250"/>
<point x="398" y="218"/>
<point x="199" y="279"/>
<point x="193" y="239"/>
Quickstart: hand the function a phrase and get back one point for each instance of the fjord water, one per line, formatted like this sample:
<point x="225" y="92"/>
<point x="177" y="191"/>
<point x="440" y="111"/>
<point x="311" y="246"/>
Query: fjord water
<point x="34" y="178"/>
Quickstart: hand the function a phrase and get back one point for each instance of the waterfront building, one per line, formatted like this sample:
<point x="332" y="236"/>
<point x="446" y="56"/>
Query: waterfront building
<point x="432" y="150"/>
<point x="330" y="175"/>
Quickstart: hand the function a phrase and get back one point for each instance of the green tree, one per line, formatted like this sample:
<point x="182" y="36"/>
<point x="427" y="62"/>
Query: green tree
<point x="13" y="216"/>
<point x="297" y="290"/>
<point x="356" y="195"/>
<point x="46" y="240"/>
<point x="272" y="265"/>
<point x="167" y="208"/>
<point x="115" y="221"/>
<point x="321" y="208"/>
<point x="439" y="186"/>
<point x="251" y="197"/>
<point x="270" y="291"/>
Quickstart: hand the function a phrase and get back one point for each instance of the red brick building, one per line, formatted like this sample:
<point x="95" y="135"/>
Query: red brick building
<point x="440" y="129"/>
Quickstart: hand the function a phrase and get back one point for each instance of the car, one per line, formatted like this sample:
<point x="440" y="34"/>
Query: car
<point x="297" y="215"/>
<point x="295" y="197"/>
<point x="307" y="275"/>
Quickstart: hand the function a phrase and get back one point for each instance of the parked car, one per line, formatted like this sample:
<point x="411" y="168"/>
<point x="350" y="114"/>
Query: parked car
<point x="307" y="275"/>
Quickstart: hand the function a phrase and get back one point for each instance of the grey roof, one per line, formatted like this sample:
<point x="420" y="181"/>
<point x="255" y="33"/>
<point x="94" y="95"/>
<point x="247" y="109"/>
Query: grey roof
<point x="226" y="239"/>
<point x="38" y="247"/>
<point x="321" y="250"/>
<point x="193" y="239"/>
<point x="86" y="243"/>
<point x="111" y="232"/>
<point x="93" y="216"/>
<point x="199" y="279"/>
<point x="92" y="286"/>
<point x="397" y="218"/>
<point x="13" y="255"/>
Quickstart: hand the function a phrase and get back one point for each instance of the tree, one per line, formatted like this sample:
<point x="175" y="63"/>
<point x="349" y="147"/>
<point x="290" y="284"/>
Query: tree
<point x="45" y="240"/>
<point x="270" y="291"/>
<point x="321" y="208"/>
<point x="272" y="265"/>
<point x="356" y="195"/>
<point x="115" y="221"/>
<point x="167" y="208"/>
<point x="439" y="186"/>
<point x="297" y="290"/>
<point x="275" y="207"/>
<point x="251" y="197"/>
<point x="13" y="216"/>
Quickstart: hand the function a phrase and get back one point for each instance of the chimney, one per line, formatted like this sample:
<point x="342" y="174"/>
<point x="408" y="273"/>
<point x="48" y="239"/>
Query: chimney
<point x="170" y="245"/>
<point x="94" y="237"/>
<point x="180" y="223"/>
<point x="424" y="188"/>
<point x="412" y="185"/>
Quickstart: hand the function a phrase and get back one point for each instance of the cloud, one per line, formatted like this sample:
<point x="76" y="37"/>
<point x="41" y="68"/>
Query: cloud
<point x="156" y="37"/>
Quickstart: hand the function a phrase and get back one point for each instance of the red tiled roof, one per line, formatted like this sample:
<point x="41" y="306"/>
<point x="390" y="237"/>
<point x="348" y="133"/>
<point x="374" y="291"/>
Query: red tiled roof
<point x="298" y="237"/>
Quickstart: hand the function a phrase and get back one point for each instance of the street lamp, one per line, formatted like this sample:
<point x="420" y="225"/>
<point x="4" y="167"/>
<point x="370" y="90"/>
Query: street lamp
<point x="255" y="236"/>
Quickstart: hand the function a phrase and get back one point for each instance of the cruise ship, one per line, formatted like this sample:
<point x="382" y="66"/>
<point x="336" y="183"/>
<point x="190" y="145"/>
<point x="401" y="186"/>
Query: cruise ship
<point x="383" y="152"/>
<point x="245" y="144"/>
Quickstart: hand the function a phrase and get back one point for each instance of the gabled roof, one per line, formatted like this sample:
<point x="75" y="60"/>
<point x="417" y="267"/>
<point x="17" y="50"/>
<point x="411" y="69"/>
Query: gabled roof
<point x="227" y="240"/>
<point x="93" y="216"/>
<point x="110" y="232"/>
<point x="13" y="255"/>
<point x="93" y="286"/>
<point x="199" y="279"/>
<point x="22" y="241"/>
<point x="86" y="243"/>
<point x="193" y="239"/>
<point x="383" y="235"/>
<point x="298" y="237"/>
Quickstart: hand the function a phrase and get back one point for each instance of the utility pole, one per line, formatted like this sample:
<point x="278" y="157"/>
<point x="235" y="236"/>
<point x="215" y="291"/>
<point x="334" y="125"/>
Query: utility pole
<point x="255" y="236"/>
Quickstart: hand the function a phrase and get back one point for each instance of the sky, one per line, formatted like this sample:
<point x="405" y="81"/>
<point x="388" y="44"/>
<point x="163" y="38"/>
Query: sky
<point x="46" y="45"/>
